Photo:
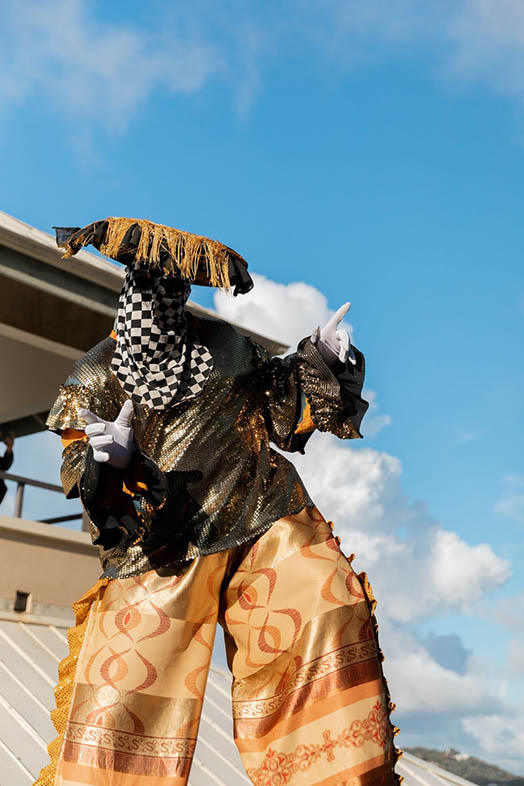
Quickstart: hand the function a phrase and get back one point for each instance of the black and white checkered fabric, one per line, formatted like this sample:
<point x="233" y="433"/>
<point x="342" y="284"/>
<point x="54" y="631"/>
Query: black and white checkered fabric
<point x="156" y="360"/>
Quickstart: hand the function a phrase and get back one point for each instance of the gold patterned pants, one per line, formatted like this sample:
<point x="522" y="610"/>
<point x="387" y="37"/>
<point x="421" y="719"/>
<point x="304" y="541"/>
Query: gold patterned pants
<point x="310" y="703"/>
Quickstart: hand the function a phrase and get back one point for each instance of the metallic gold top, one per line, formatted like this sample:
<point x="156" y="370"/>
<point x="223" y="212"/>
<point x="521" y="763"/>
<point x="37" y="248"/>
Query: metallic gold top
<point x="226" y="484"/>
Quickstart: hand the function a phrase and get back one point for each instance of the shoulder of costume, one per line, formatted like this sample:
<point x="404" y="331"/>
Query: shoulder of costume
<point x="233" y="353"/>
<point x="94" y="367"/>
<point x="213" y="329"/>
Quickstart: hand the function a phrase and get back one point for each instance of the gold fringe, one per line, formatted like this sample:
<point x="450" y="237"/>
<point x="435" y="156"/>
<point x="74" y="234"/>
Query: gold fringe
<point x="186" y="250"/>
<point x="66" y="681"/>
<point x="372" y="603"/>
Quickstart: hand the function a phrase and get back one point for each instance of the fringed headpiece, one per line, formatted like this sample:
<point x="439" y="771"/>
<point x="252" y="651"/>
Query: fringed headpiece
<point x="138" y="242"/>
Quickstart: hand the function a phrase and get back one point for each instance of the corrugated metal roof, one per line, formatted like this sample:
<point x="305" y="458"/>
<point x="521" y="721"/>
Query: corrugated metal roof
<point x="29" y="656"/>
<point x="418" y="772"/>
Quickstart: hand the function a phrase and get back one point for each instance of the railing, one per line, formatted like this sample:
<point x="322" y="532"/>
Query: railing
<point x="21" y="483"/>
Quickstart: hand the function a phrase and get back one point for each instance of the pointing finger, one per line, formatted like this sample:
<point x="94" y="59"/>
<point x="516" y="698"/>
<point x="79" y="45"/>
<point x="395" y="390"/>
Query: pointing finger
<point x="339" y="315"/>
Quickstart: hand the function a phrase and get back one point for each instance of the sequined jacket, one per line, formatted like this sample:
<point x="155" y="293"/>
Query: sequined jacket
<point x="204" y="477"/>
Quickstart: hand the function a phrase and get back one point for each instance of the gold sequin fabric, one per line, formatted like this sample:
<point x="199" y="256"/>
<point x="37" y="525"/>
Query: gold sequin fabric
<point x="73" y="463"/>
<point x="226" y="484"/>
<point x="322" y="390"/>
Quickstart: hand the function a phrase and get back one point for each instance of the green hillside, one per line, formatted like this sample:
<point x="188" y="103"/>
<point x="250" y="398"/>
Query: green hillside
<point x="470" y="768"/>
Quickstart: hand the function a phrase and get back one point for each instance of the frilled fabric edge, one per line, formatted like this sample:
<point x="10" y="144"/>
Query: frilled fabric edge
<point x="66" y="680"/>
<point x="280" y="399"/>
<point x="322" y="390"/>
<point x="390" y="705"/>
<point x="73" y="465"/>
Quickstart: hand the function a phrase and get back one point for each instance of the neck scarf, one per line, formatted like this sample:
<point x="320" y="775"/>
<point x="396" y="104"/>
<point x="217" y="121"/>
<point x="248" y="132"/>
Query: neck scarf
<point x="157" y="361"/>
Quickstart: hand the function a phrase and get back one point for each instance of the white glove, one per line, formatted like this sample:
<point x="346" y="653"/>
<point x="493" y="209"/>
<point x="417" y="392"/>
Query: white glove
<point x="334" y="344"/>
<point x="112" y="441"/>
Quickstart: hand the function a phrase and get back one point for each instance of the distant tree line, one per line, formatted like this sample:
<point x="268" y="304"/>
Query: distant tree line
<point x="470" y="768"/>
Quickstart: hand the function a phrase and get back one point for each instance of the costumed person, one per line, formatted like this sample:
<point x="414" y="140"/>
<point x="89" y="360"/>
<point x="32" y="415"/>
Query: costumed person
<point x="167" y="425"/>
<point x="6" y="461"/>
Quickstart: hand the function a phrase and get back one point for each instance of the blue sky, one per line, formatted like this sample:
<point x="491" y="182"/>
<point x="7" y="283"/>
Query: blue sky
<point x="374" y="151"/>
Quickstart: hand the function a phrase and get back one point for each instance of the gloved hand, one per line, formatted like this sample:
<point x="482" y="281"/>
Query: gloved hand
<point x="333" y="344"/>
<point x="112" y="441"/>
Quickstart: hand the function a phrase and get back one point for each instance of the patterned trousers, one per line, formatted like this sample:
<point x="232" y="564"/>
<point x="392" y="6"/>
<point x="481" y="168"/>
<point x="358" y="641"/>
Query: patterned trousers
<point x="310" y="703"/>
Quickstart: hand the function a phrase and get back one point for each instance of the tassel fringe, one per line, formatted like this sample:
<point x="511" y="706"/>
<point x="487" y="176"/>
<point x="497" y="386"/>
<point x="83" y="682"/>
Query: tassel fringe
<point x="186" y="251"/>
<point x="372" y="603"/>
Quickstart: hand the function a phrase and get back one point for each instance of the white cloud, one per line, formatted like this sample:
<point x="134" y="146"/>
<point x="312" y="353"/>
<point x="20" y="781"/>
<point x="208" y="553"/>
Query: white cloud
<point x="373" y="422"/>
<point x="284" y="311"/>
<point x="488" y="38"/>
<point x="421" y="685"/>
<point x="431" y="570"/>
<point x="91" y="65"/>
<point x="462" y="573"/>
<point x="466" y="436"/>
<point x="105" y="70"/>
<point x="438" y="706"/>
<point x="511" y="503"/>
<point x="251" y="42"/>
<point x="360" y="31"/>
<point x="515" y="658"/>
<point x="510" y="613"/>
<point x="358" y="489"/>
<point x="472" y="41"/>
<point x="499" y="734"/>
<point x="94" y="69"/>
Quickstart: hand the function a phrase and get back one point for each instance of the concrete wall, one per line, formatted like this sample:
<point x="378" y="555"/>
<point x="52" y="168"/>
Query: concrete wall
<point x="54" y="564"/>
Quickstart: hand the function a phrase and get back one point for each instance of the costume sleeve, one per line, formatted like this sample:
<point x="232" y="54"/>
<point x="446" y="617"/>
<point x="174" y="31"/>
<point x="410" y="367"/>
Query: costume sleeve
<point x="6" y="460"/>
<point x="118" y="502"/>
<point x="121" y="502"/>
<point x="64" y="419"/>
<point x="303" y="394"/>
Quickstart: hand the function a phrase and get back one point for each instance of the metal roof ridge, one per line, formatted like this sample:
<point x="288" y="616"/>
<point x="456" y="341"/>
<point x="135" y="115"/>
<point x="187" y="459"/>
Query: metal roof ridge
<point x="433" y="768"/>
<point x="22" y="237"/>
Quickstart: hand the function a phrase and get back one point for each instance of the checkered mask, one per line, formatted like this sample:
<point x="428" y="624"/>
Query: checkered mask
<point x="157" y="361"/>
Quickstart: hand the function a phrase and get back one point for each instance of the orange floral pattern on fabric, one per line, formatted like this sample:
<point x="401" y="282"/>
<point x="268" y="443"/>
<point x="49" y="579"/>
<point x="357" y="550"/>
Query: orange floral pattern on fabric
<point x="277" y="769"/>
